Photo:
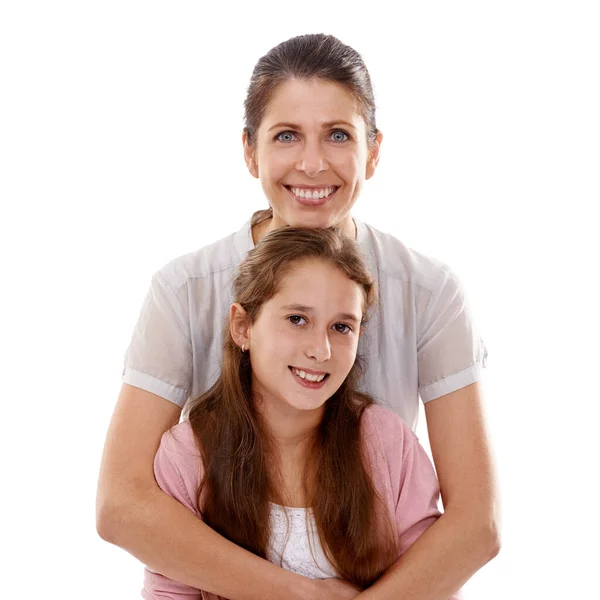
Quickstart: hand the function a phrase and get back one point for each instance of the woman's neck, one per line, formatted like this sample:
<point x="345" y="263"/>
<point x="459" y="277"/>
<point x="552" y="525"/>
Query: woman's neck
<point x="260" y="230"/>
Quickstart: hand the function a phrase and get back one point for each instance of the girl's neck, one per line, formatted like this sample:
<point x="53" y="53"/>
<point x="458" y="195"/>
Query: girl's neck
<point x="290" y="460"/>
<point x="291" y="430"/>
<point x="291" y="434"/>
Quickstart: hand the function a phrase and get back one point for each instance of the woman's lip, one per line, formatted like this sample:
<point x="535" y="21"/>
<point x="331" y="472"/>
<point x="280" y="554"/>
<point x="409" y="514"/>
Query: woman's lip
<point x="312" y="201"/>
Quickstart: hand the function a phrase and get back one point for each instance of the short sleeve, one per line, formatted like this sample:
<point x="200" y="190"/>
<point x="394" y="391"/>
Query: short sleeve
<point x="417" y="501"/>
<point x="417" y="505"/>
<point x="413" y="489"/>
<point x="159" y="357"/>
<point x="450" y="351"/>
<point x="176" y="468"/>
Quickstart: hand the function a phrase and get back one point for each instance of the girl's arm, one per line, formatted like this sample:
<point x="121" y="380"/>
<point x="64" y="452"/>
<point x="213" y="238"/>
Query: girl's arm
<point x="135" y="514"/>
<point x="466" y="536"/>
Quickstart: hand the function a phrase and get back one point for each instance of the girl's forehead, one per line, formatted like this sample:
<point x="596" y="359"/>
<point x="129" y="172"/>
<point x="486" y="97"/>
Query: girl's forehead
<point x="312" y="280"/>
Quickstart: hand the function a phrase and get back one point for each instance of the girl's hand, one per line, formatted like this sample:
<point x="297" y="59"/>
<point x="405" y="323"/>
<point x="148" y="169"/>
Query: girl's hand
<point x="334" y="589"/>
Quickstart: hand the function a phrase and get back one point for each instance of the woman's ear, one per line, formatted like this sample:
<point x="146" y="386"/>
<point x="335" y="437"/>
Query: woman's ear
<point x="373" y="158"/>
<point x="250" y="155"/>
<point x="239" y="326"/>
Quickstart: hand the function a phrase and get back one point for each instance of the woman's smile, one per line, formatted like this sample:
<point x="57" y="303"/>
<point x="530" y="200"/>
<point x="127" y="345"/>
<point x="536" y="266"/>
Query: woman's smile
<point x="312" y="196"/>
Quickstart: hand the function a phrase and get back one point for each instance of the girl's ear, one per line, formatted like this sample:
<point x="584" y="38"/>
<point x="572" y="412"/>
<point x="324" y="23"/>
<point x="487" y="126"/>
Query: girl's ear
<point x="250" y="156"/>
<point x="239" y="326"/>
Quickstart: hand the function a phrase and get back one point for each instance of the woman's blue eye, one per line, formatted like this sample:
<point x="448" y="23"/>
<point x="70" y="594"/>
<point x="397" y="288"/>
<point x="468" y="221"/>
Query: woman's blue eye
<point x="286" y="136"/>
<point x="340" y="136"/>
<point x="342" y="328"/>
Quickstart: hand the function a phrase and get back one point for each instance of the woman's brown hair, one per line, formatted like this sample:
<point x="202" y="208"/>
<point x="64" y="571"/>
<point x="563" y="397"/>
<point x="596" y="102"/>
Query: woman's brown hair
<point x="239" y="482"/>
<point x="305" y="57"/>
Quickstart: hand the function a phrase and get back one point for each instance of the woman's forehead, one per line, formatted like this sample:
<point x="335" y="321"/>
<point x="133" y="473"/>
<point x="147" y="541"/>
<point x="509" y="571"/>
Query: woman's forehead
<point x="312" y="102"/>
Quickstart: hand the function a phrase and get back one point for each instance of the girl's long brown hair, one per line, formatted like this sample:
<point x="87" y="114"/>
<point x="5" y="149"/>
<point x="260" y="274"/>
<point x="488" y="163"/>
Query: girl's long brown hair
<point x="239" y="483"/>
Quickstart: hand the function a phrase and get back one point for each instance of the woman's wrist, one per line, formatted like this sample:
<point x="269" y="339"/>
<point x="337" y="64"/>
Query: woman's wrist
<point x="296" y="587"/>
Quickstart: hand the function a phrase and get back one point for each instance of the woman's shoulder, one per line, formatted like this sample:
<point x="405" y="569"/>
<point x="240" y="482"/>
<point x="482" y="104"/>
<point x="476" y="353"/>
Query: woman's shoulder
<point x="395" y="259"/>
<point x="218" y="258"/>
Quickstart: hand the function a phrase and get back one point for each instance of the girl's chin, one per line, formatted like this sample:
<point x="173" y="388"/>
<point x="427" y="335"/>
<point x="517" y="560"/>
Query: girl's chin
<point x="308" y="404"/>
<point x="308" y="408"/>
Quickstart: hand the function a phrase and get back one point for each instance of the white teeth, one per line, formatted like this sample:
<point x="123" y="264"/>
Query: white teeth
<point x="309" y="376"/>
<point x="314" y="194"/>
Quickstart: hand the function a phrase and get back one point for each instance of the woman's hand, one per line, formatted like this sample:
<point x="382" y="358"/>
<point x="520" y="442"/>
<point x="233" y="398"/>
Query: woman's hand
<point x="334" y="589"/>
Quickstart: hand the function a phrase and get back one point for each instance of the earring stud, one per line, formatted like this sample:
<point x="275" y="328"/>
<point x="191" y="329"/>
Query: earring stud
<point x="243" y="347"/>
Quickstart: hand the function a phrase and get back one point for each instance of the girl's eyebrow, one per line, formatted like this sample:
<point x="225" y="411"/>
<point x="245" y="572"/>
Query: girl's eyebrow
<point x="308" y="309"/>
<point x="327" y="125"/>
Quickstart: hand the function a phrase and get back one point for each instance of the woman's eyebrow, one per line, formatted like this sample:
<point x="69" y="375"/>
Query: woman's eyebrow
<point x="327" y="125"/>
<point x="284" y="124"/>
<point x="330" y="124"/>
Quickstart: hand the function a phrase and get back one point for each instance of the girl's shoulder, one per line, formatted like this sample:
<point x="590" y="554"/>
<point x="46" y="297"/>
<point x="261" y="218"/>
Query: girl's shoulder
<point x="179" y="443"/>
<point x="178" y="465"/>
<point x="386" y="432"/>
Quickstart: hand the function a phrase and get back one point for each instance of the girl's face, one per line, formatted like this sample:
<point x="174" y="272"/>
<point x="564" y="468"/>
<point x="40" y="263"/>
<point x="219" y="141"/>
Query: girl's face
<point x="304" y="340"/>
<point x="311" y="155"/>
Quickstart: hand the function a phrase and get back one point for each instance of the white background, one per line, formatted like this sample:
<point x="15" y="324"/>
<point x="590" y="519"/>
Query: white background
<point x="120" y="127"/>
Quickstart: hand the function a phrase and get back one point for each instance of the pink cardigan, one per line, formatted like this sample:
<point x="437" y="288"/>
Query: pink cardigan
<point x="401" y="470"/>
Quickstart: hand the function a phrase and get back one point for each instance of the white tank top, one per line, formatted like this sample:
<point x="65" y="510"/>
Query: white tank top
<point x="295" y="544"/>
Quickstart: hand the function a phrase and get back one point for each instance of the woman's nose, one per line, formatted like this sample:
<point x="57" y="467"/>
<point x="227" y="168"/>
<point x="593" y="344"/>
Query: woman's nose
<point x="312" y="161"/>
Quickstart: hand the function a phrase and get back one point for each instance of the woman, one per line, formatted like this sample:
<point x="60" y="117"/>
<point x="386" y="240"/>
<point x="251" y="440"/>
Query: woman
<point x="311" y="139"/>
<point x="284" y="426"/>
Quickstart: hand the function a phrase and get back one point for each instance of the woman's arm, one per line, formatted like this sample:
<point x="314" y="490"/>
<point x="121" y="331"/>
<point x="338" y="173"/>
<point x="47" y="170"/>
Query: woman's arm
<point x="466" y="536"/>
<point x="135" y="514"/>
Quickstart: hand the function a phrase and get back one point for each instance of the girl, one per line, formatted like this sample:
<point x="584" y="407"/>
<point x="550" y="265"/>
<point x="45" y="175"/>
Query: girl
<point x="283" y="455"/>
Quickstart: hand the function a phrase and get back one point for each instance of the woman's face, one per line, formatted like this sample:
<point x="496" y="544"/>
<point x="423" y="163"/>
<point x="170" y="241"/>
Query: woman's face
<point x="311" y="155"/>
<point x="303" y="342"/>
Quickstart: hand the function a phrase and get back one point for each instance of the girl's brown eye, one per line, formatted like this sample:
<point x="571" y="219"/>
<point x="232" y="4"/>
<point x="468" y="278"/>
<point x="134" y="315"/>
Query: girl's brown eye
<point x="296" y="319"/>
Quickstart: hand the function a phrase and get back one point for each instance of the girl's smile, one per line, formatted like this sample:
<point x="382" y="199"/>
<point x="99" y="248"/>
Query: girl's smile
<point x="309" y="379"/>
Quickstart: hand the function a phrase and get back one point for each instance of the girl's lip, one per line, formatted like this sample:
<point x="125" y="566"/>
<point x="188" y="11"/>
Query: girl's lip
<point x="312" y="385"/>
<point x="309" y="370"/>
<point x="312" y="201"/>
